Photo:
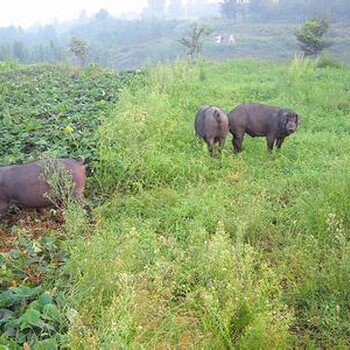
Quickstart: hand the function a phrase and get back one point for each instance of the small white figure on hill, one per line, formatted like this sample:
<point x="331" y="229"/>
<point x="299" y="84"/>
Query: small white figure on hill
<point x="218" y="39"/>
<point x="227" y="39"/>
<point x="231" y="40"/>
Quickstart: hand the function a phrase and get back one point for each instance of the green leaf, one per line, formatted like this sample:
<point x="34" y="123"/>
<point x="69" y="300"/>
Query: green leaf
<point x="25" y="291"/>
<point x="51" y="312"/>
<point x="5" y="299"/>
<point x="30" y="318"/>
<point x="35" y="305"/>
<point x="10" y="331"/>
<point x="44" y="299"/>
<point x="6" y="315"/>
<point x="15" y="254"/>
<point x="47" y="344"/>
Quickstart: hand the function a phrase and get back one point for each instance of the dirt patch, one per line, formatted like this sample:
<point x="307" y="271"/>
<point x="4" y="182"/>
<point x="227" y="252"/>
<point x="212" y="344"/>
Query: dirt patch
<point x="33" y="224"/>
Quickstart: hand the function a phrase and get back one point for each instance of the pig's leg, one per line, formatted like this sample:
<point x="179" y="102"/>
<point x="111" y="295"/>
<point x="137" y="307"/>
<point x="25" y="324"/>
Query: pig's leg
<point x="221" y="143"/>
<point x="210" y="143"/>
<point x="270" y="142"/>
<point x="279" y="142"/>
<point x="237" y="143"/>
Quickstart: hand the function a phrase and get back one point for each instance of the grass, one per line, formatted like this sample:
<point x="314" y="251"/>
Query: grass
<point x="245" y="251"/>
<point x="140" y="42"/>
<point x="186" y="251"/>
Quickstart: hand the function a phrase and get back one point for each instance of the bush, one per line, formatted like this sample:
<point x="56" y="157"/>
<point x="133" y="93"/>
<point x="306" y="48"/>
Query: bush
<point x="311" y="37"/>
<point x="326" y="60"/>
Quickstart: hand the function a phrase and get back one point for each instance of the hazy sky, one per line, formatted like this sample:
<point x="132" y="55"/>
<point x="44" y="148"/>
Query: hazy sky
<point x="28" y="12"/>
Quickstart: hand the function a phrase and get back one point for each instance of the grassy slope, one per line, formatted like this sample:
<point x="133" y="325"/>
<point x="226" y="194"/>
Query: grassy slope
<point x="275" y="41"/>
<point x="270" y="41"/>
<point x="249" y="250"/>
<point x="128" y="45"/>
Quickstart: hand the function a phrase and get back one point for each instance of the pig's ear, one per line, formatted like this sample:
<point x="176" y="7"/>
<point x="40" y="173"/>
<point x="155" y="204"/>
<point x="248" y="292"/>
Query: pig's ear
<point x="297" y="118"/>
<point x="284" y="117"/>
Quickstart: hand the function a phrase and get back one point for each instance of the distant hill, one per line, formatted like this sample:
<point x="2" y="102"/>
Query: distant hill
<point x="126" y="45"/>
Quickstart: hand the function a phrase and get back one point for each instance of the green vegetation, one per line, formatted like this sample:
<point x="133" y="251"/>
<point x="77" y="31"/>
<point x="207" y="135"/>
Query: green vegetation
<point x="45" y="111"/>
<point x="311" y="36"/>
<point x="245" y="251"/>
<point x="55" y="109"/>
<point x="126" y="45"/>
<point x="79" y="48"/>
<point x="193" y="45"/>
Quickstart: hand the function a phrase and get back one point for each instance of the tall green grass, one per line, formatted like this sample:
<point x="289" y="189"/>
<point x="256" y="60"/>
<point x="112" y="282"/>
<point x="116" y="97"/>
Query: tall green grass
<point x="246" y="251"/>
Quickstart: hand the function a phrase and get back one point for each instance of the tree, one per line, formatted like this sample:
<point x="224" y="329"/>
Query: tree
<point x="55" y="51"/>
<point x="79" y="48"/>
<point x="19" y="51"/>
<point x="6" y="52"/>
<point x="267" y="10"/>
<point x="311" y="37"/>
<point x="193" y="45"/>
<point x="175" y="9"/>
<point x="256" y="6"/>
<point x="102" y="15"/>
<point x="83" y="17"/>
<point x="229" y="9"/>
<point x="155" y="9"/>
<point x="200" y="8"/>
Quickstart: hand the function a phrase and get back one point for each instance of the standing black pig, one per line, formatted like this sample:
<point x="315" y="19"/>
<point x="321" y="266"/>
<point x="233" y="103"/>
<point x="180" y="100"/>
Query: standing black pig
<point x="212" y="126"/>
<point x="257" y="119"/>
<point x="27" y="184"/>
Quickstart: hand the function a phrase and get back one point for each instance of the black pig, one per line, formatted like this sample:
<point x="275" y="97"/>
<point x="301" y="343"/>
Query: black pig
<point x="26" y="184"/>
<point x="212" y="126"/>
<point x="257" y="119"/>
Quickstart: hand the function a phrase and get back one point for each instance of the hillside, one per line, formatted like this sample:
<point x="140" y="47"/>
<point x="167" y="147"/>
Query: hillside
<point x="127" y="45"/>
<point x="247" y="251"/>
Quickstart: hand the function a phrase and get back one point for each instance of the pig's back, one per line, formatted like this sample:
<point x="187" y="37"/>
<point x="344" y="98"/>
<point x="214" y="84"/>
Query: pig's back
<point x="24" y="184"/>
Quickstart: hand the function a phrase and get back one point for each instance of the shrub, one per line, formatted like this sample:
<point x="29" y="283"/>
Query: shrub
<point x="311" y="36"/>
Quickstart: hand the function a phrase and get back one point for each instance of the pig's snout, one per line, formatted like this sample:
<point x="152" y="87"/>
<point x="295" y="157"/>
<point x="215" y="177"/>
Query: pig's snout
<point x="291" y="127"/>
